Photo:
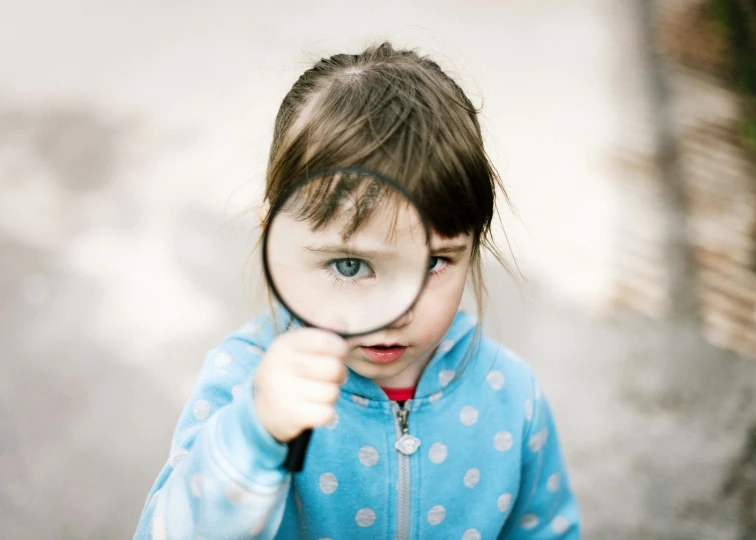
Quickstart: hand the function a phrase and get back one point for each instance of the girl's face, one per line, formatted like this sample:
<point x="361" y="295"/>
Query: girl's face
<point x="421" y="329"/>
<point x="371" y="277"/>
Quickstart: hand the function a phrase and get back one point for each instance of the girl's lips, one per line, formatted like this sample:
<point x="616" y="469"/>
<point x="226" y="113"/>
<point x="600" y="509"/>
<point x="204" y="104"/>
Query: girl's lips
<point x="384" y="355"/>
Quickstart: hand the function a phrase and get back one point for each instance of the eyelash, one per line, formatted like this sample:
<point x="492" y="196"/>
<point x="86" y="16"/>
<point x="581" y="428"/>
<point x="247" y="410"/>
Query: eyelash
<point x="446" y="265"/>
<point x="339" y="280"/>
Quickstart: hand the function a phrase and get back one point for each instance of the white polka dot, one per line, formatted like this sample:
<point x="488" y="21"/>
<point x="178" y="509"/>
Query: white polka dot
<point x="560" y="525"/>
<point x="254" y="349"/>
<point x="365" y="517"/>
<point x="445" y="376"/>
<point x="334" y="422"/>
<point x="446" y="346"/>
<point x="328" y="483"/>
<point x="159" y="529"/>
<point x="368" y="456"/>
<point x="435" y="397"/>
<point x="236" y="391"/>
<point x="468" y="415"/>
<point x="250" y="328"/>
<point x="495" y="380"/>
<point x="472" y="477"/>
<point x="201" y="409"/>
<point x="359" y="400"/>
<point x="504" y="501"/>
<point x="503" y="441"/>
<point x="437" y="453"/>
<point x="552" y="484"/>
<point x="471" y="534"/>
<point x="529" y="521"/>
<point x="222" y="359"/>
<point x="196" y="484"/>
<point x="528" y="410"/>
<point x="436" y="515"/>
<point x="177" y="455"/>
<point x="236" y="494"/>
<point x="537" y="440"/>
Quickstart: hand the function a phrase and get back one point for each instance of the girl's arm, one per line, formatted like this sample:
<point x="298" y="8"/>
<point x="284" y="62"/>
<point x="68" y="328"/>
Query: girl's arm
<point x="546" y="507"/>
<point x="224" y="477"/>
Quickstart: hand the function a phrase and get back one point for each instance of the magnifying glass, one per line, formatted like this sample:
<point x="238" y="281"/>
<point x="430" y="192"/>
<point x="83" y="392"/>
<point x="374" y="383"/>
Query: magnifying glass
<point x="345" y="250"/>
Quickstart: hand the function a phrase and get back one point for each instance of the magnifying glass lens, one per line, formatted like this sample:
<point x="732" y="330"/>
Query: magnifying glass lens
<point x="347" y="251"/>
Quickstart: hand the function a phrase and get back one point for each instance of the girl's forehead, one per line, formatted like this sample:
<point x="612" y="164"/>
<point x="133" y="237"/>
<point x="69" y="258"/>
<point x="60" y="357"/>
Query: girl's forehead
<point x="390" y="221"/>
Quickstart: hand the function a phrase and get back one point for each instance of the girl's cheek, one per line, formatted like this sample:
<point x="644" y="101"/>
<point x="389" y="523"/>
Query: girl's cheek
<point x="452" y="280"/>
<point x="440" y="297"/>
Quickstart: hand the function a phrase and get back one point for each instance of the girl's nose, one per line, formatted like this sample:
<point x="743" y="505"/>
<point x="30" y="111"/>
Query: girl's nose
<point x="404" y="320"/>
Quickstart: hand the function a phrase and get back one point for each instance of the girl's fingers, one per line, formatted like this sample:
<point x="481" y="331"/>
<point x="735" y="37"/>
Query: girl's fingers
<point x="321" y="368"/>
<point x="312" y="341"/>
<point x="298" y="381"/>
<point x="316" y="415"/>
<point x="314" y="392"/>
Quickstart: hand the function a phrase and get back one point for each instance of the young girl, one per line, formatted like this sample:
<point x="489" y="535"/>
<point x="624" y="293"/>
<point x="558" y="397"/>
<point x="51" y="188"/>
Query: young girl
<point x="483" y="460"/>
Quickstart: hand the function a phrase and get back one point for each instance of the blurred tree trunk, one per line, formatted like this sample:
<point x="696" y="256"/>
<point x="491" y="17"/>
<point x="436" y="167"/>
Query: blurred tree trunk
<point x="680" y="259"/>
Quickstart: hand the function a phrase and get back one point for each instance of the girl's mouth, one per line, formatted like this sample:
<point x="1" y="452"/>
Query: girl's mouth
<point x="384" y="354"/>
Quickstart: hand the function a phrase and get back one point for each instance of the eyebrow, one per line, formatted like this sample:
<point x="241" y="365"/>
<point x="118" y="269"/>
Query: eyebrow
<point x="454" y="248"/>
<point x="335" y="249"/>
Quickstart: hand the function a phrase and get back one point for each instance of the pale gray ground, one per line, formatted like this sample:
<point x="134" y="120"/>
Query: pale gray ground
<point x="133" y="135"/>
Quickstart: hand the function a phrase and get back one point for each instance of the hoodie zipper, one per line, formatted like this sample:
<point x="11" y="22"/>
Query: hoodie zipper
<point x="406" y="445"/>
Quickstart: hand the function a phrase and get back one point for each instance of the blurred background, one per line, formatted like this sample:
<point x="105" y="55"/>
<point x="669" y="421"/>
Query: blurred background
<point x="133" y="142"/>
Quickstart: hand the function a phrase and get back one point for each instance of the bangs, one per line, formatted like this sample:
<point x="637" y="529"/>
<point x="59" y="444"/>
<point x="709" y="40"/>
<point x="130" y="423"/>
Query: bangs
<point x="347" y="197"/>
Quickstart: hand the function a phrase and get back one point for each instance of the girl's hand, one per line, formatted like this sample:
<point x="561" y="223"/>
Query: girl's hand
<point x="298" y="382"/>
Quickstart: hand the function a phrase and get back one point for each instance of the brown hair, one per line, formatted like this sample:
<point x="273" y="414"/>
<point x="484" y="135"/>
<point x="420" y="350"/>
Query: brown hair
<point x="398" y="113"/>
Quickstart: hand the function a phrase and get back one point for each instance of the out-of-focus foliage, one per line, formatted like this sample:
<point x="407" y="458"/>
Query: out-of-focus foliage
<point x="736" y="20"/>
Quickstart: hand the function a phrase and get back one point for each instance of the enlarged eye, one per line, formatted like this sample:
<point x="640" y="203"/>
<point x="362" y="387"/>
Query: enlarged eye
<point x="351" y="268"/>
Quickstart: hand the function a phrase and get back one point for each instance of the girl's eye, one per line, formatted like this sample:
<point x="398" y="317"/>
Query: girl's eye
<point x="436" y="264"/>
<point x="351" y="268"/>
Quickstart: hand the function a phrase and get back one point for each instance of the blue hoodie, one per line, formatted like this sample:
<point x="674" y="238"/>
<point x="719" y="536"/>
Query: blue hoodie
<point x="476" y="455"/>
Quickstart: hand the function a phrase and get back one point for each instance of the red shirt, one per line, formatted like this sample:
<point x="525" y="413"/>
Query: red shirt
<point x="400" y="394"/>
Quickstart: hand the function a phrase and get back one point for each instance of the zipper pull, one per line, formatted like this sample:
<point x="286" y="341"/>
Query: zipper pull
<point x="402" y="415"/>
<point x="407" y="444"/>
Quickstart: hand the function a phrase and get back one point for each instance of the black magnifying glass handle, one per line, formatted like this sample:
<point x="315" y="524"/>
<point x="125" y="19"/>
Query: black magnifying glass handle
<point x="297" y="451"/>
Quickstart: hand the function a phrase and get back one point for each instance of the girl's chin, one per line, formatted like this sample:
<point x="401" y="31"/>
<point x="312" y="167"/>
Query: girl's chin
<point x="364" y="367"/>
<point x="376" y="371"/>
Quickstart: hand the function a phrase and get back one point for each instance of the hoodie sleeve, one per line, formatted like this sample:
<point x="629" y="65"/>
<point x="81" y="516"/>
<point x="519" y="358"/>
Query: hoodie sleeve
<point x="224" y="476"/>
<point x="546" y="507"/>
